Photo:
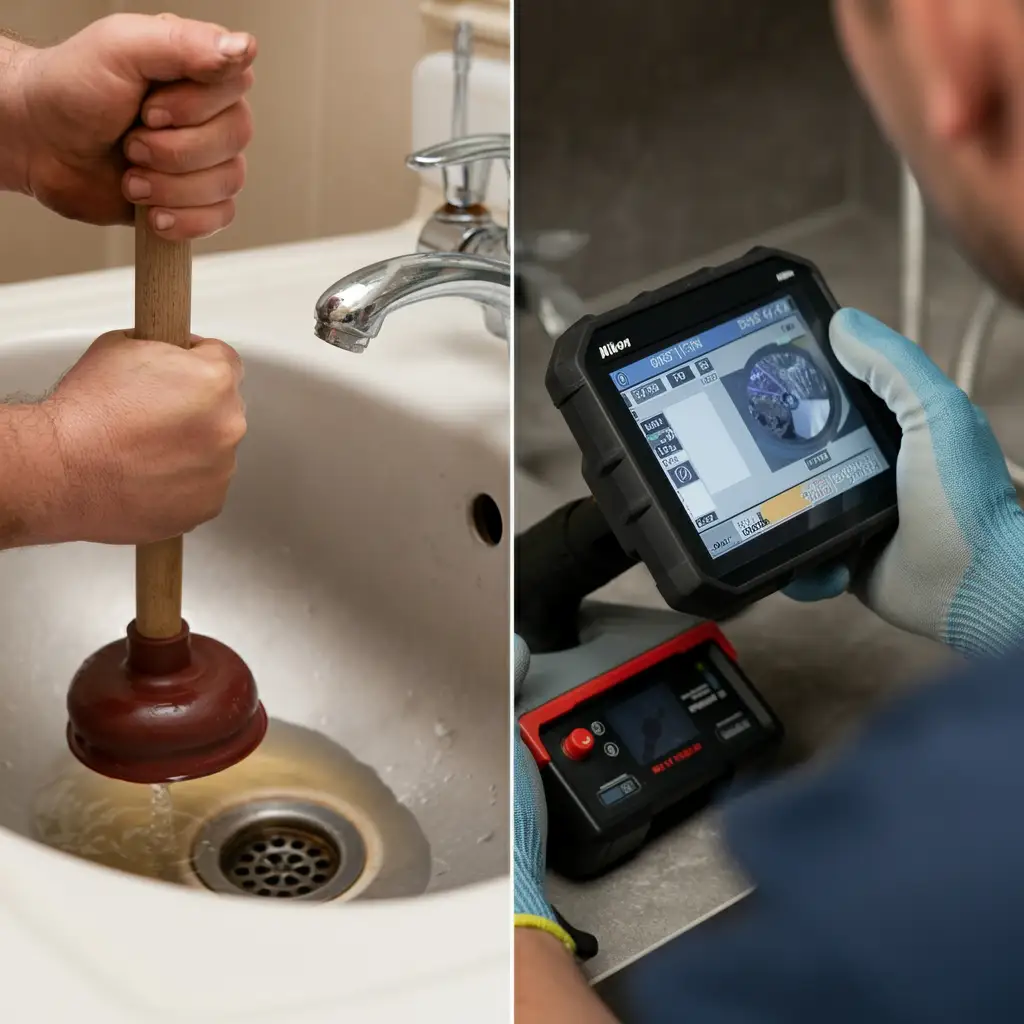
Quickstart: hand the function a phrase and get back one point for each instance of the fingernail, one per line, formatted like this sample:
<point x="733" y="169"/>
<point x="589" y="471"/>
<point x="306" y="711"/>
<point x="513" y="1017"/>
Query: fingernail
<point x="163" y="221"/>
<point x="157" y="117"/>
<point x="138" y="187"/>
<point x="233" y="45"/>
<point x="138" y="152"/>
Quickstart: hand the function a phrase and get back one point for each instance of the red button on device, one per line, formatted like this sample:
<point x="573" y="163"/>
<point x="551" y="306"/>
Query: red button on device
<point x="578" y="744"/>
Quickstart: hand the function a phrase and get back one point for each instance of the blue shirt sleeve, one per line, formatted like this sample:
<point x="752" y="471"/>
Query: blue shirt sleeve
<point x="889" y="878"/>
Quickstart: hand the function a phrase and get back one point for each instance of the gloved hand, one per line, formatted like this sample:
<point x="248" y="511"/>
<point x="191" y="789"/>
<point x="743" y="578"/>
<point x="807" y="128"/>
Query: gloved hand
<point x="530" y="829"/>
<point x="954" y="570"/>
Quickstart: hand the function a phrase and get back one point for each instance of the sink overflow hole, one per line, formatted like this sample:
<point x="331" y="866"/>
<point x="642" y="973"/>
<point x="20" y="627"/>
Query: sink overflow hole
<point x="486" y="518"/>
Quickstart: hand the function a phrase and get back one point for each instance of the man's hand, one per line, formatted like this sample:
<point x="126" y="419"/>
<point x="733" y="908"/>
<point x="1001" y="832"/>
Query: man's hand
<point x="135" y="110"/>
<point x="954" y="570"/>
<point x="136" y="444"/>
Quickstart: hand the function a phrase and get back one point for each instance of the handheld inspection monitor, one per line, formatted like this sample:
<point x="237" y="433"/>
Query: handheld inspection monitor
<point x="721" y="438"/>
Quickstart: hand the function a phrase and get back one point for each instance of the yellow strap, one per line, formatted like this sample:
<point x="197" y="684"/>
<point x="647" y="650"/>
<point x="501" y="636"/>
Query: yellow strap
<point x="544" y="925"/>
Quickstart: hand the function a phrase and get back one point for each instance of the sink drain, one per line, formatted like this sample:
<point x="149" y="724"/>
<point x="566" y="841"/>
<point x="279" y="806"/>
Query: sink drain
<point x="280" y="848"/>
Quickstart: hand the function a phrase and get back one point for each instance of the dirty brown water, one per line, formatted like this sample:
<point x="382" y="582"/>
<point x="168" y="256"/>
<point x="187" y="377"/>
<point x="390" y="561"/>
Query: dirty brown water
<point x="152" y="830"/>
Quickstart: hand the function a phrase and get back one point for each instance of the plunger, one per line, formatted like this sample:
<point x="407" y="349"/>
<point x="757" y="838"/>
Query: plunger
<point x="162" y="704"/>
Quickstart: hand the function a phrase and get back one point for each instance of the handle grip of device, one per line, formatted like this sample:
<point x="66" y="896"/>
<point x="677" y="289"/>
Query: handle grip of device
<point x="559" y="561"/>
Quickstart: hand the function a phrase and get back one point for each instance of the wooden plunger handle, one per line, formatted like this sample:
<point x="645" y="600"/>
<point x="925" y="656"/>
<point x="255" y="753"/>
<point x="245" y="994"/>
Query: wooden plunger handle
<point x="163" y="302"/>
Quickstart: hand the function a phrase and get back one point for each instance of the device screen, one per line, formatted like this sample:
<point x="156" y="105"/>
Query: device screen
<point x="749" y="423"/>
<point x="652" y="724"/>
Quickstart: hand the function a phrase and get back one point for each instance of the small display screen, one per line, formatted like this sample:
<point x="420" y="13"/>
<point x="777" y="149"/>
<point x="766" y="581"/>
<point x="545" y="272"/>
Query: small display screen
<point x="749" y="423"/>
<point x="652" y="724"/>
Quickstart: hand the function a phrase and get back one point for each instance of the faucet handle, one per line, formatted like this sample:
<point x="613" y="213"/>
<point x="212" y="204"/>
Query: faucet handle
<point x="473" y="154"/>
<point x="464" y="150"/>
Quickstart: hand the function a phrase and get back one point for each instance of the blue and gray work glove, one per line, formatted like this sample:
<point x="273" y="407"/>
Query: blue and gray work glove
<point x="530" y="831"/>
<point x="954" y="569"/>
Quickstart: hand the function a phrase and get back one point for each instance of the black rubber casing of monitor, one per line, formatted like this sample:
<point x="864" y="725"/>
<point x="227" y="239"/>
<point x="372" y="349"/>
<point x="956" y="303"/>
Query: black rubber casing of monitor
<point x="626" y="479"/>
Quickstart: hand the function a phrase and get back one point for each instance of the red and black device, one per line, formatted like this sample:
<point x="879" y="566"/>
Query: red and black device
<point x="646" y="742"/>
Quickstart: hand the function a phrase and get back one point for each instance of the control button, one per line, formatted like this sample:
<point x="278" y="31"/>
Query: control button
<point x="578" y="744"/>
<point x="732" y="727"/>
<point x="618" y="789"/>
<point x="611" y="749"/>
<point x="597" y="728"/>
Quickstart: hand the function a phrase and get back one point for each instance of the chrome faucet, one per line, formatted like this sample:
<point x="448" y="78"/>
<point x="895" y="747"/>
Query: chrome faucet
<point x="352" y="310"/>
<point x="464" y="223"/>
<point x="462" y="251"/>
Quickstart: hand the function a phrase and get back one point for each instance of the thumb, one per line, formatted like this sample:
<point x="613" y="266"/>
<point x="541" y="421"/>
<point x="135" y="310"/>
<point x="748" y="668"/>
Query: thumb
<point x="168" y="48"/>
<point x="893" y="367"/>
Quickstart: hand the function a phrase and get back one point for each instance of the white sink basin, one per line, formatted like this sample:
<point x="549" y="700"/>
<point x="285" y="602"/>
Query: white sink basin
<point x="347" y="570"/>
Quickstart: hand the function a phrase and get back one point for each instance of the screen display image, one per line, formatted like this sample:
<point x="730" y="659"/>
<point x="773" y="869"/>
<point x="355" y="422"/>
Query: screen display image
<point x="652" y="724"/>
<point x="749" y="423"/>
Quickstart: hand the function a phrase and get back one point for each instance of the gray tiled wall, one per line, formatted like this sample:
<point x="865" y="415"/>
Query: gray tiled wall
<point x="669" y="128"/>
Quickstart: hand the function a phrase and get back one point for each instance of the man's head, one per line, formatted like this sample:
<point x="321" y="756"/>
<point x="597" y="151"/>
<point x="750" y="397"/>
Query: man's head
<point x="946" y="79"/>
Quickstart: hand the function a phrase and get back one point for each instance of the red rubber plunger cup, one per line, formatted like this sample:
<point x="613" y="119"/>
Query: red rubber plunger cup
<point x="146" y="710"/>
<point x="162" y="704"/>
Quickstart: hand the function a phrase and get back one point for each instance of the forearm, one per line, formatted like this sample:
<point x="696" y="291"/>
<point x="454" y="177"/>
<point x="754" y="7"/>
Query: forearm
<point x="13" y="144"/>
<point x="549" y="986"/>
<point x="31" y="477"/>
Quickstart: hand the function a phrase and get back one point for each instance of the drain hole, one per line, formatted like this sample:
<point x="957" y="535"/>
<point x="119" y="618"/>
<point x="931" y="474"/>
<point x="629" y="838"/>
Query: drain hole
<point x="284" y="856"/>
<point x="486" y="518"/>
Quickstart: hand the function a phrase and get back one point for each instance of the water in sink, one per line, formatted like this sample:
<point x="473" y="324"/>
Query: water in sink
<point x="158" y="831"/>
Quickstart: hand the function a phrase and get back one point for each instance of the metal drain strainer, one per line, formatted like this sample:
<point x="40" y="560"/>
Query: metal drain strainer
<point x="280" y="848"/>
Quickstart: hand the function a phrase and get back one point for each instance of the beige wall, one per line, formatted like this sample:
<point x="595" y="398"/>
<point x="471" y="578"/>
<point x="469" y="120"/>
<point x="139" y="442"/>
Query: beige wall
<point x="332" y="109"/>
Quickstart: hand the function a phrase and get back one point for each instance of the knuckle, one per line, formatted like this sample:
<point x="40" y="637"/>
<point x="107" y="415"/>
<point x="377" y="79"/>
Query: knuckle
<point x="220" y="376"/>
<point x="227" y="213"/>
<point x="242" y="128"/>
<point x="234" y="429"/>
<point x="234" y="180"/>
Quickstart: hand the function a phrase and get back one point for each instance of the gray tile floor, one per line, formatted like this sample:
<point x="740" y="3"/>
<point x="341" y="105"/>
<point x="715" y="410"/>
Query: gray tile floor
<point x="822" y="667"/>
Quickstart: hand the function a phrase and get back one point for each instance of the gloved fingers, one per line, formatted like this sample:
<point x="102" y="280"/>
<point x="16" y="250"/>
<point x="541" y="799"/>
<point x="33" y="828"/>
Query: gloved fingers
<point x="520" y="663"/>
<point x="820" y="584"/>
<point x="895" y="369"/>
<point x="528" y="790"/>
<point x="964" y="451"/>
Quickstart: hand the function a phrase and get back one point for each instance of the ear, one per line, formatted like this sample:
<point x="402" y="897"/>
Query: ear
<point x="949" y="50"/>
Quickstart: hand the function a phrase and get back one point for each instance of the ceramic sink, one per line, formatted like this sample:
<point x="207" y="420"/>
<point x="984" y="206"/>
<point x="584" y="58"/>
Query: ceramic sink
<point x="360" y="568"/>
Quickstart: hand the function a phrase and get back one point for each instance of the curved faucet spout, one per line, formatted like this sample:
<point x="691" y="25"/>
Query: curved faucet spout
<point x="352" y="310"/>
